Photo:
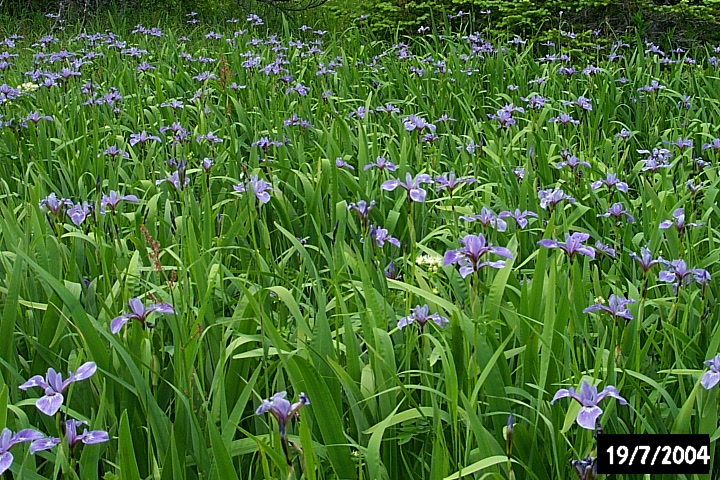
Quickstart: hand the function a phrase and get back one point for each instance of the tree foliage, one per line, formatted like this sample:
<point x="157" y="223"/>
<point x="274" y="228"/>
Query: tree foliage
<point x="654" y="17"/>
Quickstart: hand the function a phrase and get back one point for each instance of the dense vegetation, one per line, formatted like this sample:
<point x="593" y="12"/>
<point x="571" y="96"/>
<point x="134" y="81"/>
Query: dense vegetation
<point x="655" y="19"/>
<point x="425" y="243"/>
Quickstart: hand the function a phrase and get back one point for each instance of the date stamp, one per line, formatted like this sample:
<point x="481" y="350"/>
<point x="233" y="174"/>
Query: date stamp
<point x="653" y="454"/>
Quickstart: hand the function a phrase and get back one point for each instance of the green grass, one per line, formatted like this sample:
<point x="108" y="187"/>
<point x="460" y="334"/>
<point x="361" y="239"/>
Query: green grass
<point x="291" y="294"/>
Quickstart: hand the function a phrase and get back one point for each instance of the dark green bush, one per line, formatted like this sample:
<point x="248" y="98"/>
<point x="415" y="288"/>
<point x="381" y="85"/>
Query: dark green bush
<point x="686" y="19"/>
<point x="74" y="7"/>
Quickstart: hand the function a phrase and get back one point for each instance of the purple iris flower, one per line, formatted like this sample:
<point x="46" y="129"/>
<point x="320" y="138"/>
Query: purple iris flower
<point x="205" y="76"/>
<point x="79" y="212"/>
<point x="659" y="154"/>
<point x="487" y="217"/>
<point x="207" y="164"/>
<point x="715" y="144"/>
<point x="681" y="143"/>
<point x="448" y="180"/>
<point x="254" y="20"/>
<point x="301" y="89"/>
<point x="295" y="120"/>
<point x="519" y="217"/>
<point x="8" y="93"/>
<point x="685" y="102"/>
<point x="617" y="307"/>
<point x="581" y="102"/>
<point x="606" y="249"/>
<point x="645" y="259"/>
<point x="281" y="408"/>
<point x="657" y="159"/>
<point x="174" y="104"/>
<point x="388" y="108"/>
<point x="139" y="313"/>
<point x="551" y="197"/>
<point x="142" y="138"/>
<point x="265" y="143"/>
<point x="66" y="73"/>
<point x="88" y="438"/>
<point x="421" y="316"/>
<point x="35" y="117"/>
<point x="113" y="199"/>
<point x="652" y="88"/>
<point x="694" y="189"/>
<point x="678" y="222"/>
<point x="8" y="440"/>
<point x="362" y="208"/>
<point x="174" y="180"/>
<point x="113" y="151"/>
<point x="616" y="211"/>
<point x="702" y="277"/>
<point x="259" y="186"/>
<point x="381" y="236"/>
<point x="411" y="185"/>
<point x="610" y="181"/>
<point x="701" y="163"/>
<point x="469" y="255"/>
<point x="429" y="138"/>
<point x="564" y="118"/>
<point x="413" y="122"/>
<point x="652" y="165"/>
<point x="381" y="163"/>
<point x="709" y="378"/>
<point x="392" y="272"/>
<point x="589" y="398"/>
<point x="445" y="118"/>
<point x="54" y="386"/>
<point x="504" y="115"/>
<point x="469" y="147"/>
<point x="585" y="469"/>
<point x="623" y="134"/>
<point x="573" y="162"/>
<point x="534" y="101"/>
<point x="360" y="112"/>
<point x="573" y="244"/>
<point x="340" y="163"/>
<point x="144" y="67"/>
<point x="54" y="204"/>
<point x="677" y="273"/>
<point x="210" y="137"/>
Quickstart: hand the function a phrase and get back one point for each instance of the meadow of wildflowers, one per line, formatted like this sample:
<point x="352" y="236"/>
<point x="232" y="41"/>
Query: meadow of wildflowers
<point x="428" y="245"/>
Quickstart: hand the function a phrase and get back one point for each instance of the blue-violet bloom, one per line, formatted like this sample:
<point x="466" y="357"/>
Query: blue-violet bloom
<point x="259" y="186"/>
<point x="678" y="222"/>
<point x="281" y="409"/>
<point x="519" y="217"/>
<point x="573" y="244"/>
<point x="617" y="307"/>
<point x="610" y="181"/>
<point x="88" y="438"/>
<point x="8" y="440"/>
<point x="469" y="255"/>
<point x="139" y="313"/>
<point x="709" y="378"/>
<point x="450" y="182"/>
<point x="421" y="316"/>
<point x="411" y="185"/>
<point x="589" y="398"/>
<point x="54" y="386"/>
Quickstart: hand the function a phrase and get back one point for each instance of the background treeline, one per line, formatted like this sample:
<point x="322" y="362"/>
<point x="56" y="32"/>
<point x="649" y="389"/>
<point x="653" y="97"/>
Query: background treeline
<point x="683" y="20"/>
